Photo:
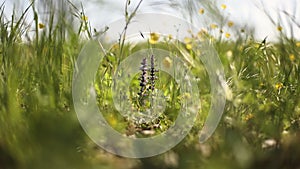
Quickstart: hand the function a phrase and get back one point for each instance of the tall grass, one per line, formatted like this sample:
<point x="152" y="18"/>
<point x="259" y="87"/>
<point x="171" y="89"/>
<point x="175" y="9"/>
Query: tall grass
<point x="37" y="120"/>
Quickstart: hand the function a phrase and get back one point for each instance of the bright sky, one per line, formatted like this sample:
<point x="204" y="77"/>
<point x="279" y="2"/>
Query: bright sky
<point x="242" y="12"/>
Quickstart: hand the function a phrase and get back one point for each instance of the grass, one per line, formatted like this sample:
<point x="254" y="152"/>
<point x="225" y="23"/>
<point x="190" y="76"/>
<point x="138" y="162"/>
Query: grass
<point x="38" y="124"/>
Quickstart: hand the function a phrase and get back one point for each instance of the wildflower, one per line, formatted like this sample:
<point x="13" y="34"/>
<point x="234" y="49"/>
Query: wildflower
<point x="278" y="86"/>
<point x="84" y="18"/>
<point x="41" y="26"/>
<point x="230" y="23"/>
<point x="227" y="35"/>
<point x="279" y="28"/>
<point x="298" y="44"/>
<point x="213" y="26"/>
<point x="143" y="81"/>
<point x="187" y="40"/>
<point x="202" y="33"/>
<point x="154" y="37"/>
<point x="189" y="46"/>
<point x="170" y="37"/>
<point x="249" y="117"/>
<point x="112" y="121"/>
<point x="152" y="77"/>
<point x="223" y="6"/>
<point x="201" y="11"/>
<point x="292" y="57"/>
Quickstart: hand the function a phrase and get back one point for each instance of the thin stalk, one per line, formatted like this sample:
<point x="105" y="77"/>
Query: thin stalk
<point x="127" y="22"/>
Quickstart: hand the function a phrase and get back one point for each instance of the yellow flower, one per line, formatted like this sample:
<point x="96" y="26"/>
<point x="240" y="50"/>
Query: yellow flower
<point x="189" y="46"/>
<point x="213" y="26"/>
<point x="298" y="44"/>
<point x="230" y="23"/>
<point x="112" y="120"/>
<point x="279" y="28"/>
<point x="84" y="18"/>
<point x="154" y="37"/>
<point x="170" y="37"/>
<point x="41" y="26"/>
<point x="202" y="33"/>
<point x="201" y="11"/>
<point x="249" y="117"/>
<point x="227" y="35"/>
<point x="187" y="40"/>
<point x="278" y="86"/>
<point x="223" y="6"/>
<point x="292" y="57"/>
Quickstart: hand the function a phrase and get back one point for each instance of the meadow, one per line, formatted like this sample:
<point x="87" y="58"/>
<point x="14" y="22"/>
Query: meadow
<point x="39" y="127"/>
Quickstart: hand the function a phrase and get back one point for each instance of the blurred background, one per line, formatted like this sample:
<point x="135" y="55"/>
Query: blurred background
<point x="253" y="14"/>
